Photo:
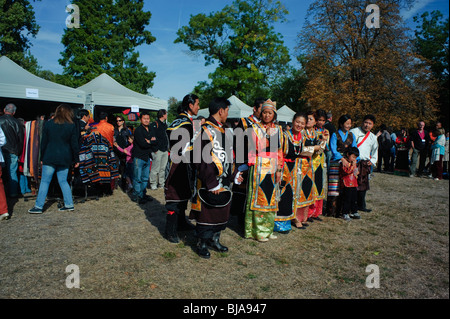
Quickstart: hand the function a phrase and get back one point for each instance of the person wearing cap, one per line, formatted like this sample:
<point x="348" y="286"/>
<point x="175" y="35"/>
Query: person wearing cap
<point x="266" y="165"/>
<point x="241" y="147"/>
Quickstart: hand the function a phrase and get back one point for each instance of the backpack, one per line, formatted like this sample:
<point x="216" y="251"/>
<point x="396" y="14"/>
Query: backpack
<point x="386" y="141"/>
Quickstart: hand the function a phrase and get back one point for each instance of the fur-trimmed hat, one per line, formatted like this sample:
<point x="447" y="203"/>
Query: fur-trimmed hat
<point x="269" y="105"/>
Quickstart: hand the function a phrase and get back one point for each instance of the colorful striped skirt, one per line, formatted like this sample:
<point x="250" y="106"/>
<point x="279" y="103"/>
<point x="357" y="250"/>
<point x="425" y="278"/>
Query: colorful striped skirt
<point x="333" y="179"/>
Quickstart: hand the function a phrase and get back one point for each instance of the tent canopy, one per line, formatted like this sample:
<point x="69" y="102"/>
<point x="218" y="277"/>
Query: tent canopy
<point x="237" y="109"/>
<point x="104" y="90"/>
<point x="18" y="83"/>
<point x="285" y="114"/>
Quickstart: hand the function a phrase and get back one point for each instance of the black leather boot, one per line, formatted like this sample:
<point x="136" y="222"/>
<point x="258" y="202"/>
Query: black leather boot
<point x="183" y="224"/>
<point x="215" y="244"/>
<point x="171" y="228"/>
<point x="331" y="206"/>
<point x="202" y="248"/>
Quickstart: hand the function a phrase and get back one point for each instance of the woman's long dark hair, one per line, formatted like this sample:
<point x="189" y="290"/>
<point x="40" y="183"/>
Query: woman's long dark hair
<point x="63" y="114"/>
<point x="123" y="119"/>
<point x="344" y="118"/>
<point x="187" y="100"/>
<point x="297" y="115"/>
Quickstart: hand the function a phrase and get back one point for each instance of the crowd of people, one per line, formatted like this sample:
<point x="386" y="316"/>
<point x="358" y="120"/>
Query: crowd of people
<point x="272" y="177"/>
<point x="416" y="153"/>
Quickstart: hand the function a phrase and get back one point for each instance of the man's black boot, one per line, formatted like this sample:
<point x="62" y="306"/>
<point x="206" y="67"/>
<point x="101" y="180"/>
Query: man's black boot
<point x="215" y="243"/>
<point x="202" y="248"/>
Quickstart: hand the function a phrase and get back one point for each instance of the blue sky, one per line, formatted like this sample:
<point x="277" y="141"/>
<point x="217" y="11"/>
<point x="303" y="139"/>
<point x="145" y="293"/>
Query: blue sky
<point x="177" y="72"/>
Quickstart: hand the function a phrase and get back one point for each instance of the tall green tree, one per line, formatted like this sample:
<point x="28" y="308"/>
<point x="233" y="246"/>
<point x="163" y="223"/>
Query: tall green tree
<point x="289" y="89"/>
<point x="17" y="26"/>
<point x="106" y="42"/>
<point x="432" y="40"/>
<point x="242" y="41"/>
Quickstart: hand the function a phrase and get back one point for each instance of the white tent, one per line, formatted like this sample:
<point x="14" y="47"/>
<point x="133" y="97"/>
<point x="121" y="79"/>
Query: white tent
<point x="18" y="83"/>
<point x="285" y="114"/>
<point x="237" y="109"/>
<point x="105" y="91"/>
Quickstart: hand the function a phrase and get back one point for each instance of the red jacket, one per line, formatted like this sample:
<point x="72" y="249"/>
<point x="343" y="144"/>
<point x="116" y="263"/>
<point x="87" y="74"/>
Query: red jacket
<point x="347" y="176"/>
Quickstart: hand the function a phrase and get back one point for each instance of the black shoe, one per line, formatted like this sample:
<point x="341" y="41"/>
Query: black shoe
<point x="216" y="245"/>
<point x="171" y="229"/>
<point x="310" y="220"/>
<point x="305" y="224"/>
<point x="318" y="219"/>
<point x="202" y="249"/>
<point x="366" y="210"/>
<point x="173" y="239"/>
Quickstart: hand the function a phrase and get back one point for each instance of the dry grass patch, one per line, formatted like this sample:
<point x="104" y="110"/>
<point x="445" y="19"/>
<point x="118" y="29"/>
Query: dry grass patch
<point x="121" y="252"/>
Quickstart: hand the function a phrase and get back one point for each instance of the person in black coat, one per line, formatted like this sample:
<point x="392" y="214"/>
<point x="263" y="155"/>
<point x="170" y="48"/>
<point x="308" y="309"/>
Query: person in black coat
<point x="59" y="150"/>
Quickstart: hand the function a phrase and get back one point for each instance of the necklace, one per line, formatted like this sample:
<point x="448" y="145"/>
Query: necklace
<point x="296" y="141"/>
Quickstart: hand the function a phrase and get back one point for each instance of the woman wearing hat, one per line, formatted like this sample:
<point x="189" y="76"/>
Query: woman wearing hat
<point x="266" y="164"/>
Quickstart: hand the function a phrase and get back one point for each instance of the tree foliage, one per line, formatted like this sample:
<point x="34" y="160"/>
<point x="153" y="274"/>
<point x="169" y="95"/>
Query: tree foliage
<point x="432" y="40"/>
<point x="17" y="25"/>
<point x="241" y="40"/>
<point x="289" y="89"/>
<point x="106" y="42"/>
<point x="355" y="70"/>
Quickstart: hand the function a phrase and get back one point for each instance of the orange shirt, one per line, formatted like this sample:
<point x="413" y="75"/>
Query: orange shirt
<point x="106" y="130"/>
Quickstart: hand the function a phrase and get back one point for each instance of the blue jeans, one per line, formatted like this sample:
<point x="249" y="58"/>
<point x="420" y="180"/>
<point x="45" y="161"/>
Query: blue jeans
<point x="24" y="187"/>
<point x="141" y="175"/>
<point x="47" y="174"/>
<point x="11" y="165"/>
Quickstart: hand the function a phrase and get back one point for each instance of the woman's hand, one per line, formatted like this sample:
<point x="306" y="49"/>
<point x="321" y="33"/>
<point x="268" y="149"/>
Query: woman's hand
<point x="345" y="162"/>
<point x="277" y="177"/>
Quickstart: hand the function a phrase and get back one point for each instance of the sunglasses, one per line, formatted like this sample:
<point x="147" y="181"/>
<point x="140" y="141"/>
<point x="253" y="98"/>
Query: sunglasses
<point x="119" y="120"/>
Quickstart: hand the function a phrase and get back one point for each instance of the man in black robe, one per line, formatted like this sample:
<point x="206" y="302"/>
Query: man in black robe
<point x="178" y="188"/>
<point x="211" y="205"/>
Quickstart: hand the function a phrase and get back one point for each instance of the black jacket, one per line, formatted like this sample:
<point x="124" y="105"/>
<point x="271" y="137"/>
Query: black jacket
<point x="122" y="137"/>
<point x="417" y="140"/>
<point x="59" y="144"/>
<point x="158" y="130"/>
<point x="141" y="148"/>
<point x="14" y="133"/>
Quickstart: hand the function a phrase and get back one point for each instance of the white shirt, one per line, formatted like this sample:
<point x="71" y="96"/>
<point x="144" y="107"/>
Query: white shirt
<point x="369" y="149"/>
<point x="2" y="142"/>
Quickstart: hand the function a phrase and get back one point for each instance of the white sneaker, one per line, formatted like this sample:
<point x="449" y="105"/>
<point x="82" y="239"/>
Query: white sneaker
<point x="346" y="217"/>
<point x="4" y="216"/>
<point x="263" y="240"/>
<point x="272" y="236"/>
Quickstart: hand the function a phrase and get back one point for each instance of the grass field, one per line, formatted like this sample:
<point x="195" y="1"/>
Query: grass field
<point x="120" y="252"/>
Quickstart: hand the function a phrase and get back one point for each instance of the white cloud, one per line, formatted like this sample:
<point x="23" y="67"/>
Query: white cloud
<point x="49" y="37"/>
<point x="418" y="5"/>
